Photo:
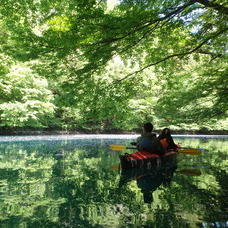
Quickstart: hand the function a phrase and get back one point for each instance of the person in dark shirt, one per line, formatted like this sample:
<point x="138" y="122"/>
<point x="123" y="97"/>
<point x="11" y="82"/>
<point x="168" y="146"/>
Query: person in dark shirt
<point x="166" y="140"/>
<point x="149" y="142"/>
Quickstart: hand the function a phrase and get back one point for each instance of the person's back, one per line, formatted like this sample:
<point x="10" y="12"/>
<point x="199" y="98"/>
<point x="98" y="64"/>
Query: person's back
<point x="149" y="142"/>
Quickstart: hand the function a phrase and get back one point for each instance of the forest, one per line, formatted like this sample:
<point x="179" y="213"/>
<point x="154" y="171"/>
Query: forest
<point x="111" y="65"/>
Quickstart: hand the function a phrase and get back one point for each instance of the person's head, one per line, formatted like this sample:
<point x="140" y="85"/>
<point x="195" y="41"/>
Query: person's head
<point x="166" y="132"/>
<point x="148" y="127"/>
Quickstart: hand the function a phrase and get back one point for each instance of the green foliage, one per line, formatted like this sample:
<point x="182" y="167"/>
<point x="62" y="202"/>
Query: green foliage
<point x="114" y="65"/>
<point x="199" y="92"/>
<point x="25" y="99"/>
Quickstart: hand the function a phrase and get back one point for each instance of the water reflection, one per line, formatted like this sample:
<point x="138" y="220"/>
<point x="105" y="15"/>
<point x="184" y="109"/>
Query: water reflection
<point x="69" y="183"/>
<point x="148" y="179"/>
<point x="191" y="172"/>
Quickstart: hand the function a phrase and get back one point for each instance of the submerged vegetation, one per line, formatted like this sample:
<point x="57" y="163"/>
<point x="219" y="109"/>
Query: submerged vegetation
<point x="102" y="65"/>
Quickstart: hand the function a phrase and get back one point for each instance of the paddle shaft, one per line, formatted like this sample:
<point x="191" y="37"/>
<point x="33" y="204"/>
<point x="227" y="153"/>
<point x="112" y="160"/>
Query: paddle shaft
<point x="189" y="151"/>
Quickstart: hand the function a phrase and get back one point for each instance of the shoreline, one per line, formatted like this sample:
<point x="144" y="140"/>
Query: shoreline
<point x="106" y="137"/>
<point x="111" y="132"/>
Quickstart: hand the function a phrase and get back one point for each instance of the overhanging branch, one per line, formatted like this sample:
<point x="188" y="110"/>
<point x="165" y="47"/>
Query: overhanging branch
<point x="220" y="8"/>
<point x="171" y="14"/>
<point x="175" y="55"/>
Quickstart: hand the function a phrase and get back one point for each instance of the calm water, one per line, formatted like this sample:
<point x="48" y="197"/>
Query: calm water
<point x="75" y="181"/>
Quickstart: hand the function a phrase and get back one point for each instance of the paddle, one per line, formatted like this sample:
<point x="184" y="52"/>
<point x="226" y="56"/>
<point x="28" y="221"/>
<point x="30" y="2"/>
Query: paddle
<point x="201" y="149"/>
<point x="120" y="147"/>
<point x="189" y="151"/>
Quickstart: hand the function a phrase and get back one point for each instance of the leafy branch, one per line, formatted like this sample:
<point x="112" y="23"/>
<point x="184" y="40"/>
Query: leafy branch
<point x="173" y="13"/>
<point x="175" y="55"/>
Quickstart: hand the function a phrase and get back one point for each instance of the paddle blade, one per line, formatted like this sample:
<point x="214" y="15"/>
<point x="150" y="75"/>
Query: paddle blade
<point x="189" y="151"/>
<point x="117" y="147"/>
<point x="201" y="149"/>
<point x="120" y="146"/>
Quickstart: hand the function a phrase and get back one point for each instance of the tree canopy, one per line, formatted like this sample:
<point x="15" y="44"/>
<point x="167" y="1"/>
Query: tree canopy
<point x="113" y="64"/>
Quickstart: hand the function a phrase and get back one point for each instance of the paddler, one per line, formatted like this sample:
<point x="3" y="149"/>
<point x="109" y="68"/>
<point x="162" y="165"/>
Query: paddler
<point x="167" y="140"/>
<point x="148" y="141"/>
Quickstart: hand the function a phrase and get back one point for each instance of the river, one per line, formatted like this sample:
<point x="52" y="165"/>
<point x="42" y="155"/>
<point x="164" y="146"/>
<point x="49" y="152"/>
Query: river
<point x="76" y="181"/>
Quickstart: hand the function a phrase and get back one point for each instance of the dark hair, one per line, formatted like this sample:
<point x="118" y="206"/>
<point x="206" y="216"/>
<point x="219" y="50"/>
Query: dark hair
<point x="165" y="132"/>
<point x="148" y="127"/>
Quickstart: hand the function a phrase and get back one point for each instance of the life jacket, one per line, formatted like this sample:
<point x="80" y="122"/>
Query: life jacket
<point x="164" y="143"/>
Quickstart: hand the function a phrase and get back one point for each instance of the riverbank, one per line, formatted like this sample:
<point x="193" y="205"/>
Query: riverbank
<point x="113" y="131"/>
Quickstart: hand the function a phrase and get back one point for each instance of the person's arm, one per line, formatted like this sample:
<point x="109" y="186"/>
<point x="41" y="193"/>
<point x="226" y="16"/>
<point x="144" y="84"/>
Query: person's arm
<point x="161" y="149"/>
<point x="138" y="141"/>
<point x="171" y="143"/>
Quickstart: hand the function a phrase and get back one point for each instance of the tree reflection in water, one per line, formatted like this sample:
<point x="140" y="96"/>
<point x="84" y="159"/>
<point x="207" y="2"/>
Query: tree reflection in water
<point x="69" y="183"/>
<point x="150" y="178"/>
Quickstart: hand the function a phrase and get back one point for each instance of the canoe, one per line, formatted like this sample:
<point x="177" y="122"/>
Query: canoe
<point x="142" y="159"/>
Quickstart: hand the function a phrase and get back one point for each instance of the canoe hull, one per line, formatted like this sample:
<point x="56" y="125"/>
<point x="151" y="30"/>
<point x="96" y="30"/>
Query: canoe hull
<point x="144" y="159"/>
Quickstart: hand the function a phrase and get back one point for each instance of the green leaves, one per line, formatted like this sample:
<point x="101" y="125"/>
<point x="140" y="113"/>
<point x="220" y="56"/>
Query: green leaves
<point x="25" y="100"/>
<point x="113" y="64"/>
